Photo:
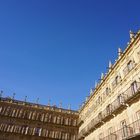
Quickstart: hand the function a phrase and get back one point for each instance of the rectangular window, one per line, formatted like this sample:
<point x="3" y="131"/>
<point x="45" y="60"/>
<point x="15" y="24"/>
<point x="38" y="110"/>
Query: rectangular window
<point x="134" y="87"/>
<point x="130" y="65"/>
<point x="124" y="130"/>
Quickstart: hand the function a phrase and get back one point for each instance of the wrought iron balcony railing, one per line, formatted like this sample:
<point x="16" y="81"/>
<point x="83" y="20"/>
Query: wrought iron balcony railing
<point x="126" y="132"/>
<point x="122" y="101"/>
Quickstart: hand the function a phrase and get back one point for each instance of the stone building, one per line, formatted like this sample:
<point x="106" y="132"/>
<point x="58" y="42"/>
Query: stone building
<point x="28" y="121"/>
<point x="112" y="111"/>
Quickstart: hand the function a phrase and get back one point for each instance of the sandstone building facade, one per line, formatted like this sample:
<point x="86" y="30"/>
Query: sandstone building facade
<point x="28" y="121"/>
<point x="112" y="111"/>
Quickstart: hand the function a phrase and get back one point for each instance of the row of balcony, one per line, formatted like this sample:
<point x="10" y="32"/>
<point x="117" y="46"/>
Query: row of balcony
<point x="130" y="66"/>
<point x="22" y="113"/>
<point x="125" y="133"/>
<point x="118" y="105"/>
<point x="36" y="131"/>
<point x="39" y="106"/>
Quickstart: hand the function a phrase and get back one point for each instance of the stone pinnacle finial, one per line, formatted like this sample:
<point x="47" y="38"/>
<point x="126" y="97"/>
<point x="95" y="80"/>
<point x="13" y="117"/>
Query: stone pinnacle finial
<point x="91" y="91"/>
<point x="49" y="102"/>
<point x="87" y="98"/>
<point x="14" y="96"/>
<point x="69" y="107"/>
<point x="119" y="52"/>
<point x="131" y="34"/>
<point x="25" y="98"/>
<point x="110" y="65"/>
<point x="60" y="105"/>
<point x="37" y="100"/>
<point x="102" y="76"/>
<point x="79" y="107"/>
<point x="1" y="92"/>
<point x="96" y="84"/>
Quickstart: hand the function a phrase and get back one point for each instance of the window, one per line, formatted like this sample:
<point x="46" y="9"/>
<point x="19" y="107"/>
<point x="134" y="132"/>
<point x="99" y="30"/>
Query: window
<point x="107" y="91"/>
<point x="39" y="116"/>
<point x="120" y="99"/>
<point x="99" y="100"/>
<point x="134" y="87"/>
<point x="24" y="129"/>
<point x="100" y="116"/>
<point x="116" y="81"/>
<point x="129" y="65"/>
<point x="124" y="128"/>
<point x="46" y="117"/>
<point x="37" y="131"/>
<point x="7" y="111"/>
<point x="20" y="113"/>
<point x="108" y="109"/>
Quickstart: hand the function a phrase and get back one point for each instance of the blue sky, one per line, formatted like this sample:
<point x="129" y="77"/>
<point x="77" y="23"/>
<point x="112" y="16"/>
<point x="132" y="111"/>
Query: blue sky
<point x="56" y="49"/>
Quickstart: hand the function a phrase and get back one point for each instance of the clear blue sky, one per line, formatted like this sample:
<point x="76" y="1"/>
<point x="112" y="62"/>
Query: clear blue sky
<point x="56" y="49"/>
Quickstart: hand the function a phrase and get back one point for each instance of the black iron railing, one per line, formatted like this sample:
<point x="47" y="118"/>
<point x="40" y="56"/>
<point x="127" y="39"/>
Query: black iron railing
<point x="113" y="108"/>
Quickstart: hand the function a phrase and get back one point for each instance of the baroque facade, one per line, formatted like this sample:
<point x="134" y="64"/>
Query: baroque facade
<point x="112" y="111"/>
<point x="28" y="121"/>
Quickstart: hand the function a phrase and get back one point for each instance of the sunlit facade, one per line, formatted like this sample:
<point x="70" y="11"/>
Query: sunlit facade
<point x="112" y="111"/>
<point x="28" y="121"/>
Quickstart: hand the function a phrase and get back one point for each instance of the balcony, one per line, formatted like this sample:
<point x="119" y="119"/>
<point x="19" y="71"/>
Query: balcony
<point x="129" y="67"/>
<point x="118" y="105"/>
<point x="128" y="132"/>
